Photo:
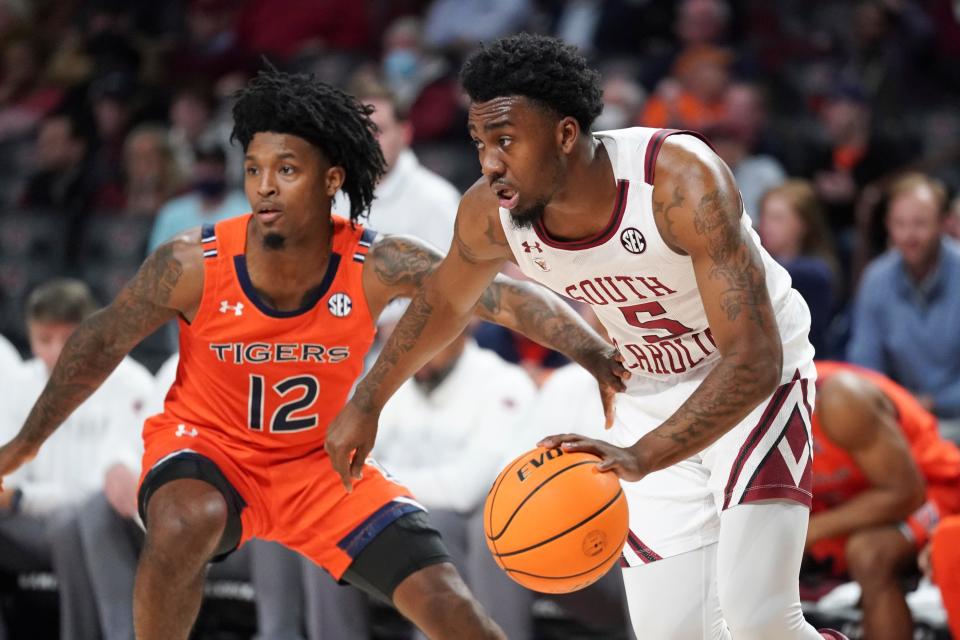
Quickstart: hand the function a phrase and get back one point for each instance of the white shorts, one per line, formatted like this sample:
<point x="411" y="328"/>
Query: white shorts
<point x="767" y="456"/>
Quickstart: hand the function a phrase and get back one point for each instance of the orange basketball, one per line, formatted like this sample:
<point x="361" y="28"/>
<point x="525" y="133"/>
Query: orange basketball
<point x="553" y="523"/>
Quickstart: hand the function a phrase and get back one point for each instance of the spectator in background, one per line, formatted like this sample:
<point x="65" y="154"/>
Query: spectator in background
<point x="951" y="225"/>
<point x="62" y="179"/>
<point x="24" y="97"/>
<point x="409" y="199"/>
<point x="445" y="441"/>
<point x="211" y="48"/>
<point x="302" y="27"/>
<point x="423" y="82"/>
<point x="207" y="201"/>
<point x="908" y="306"/>
<point x="192" y="125"/>
<point x="792" y="229"/>
<point x="755" y="174"/>
<point x="882" y="478"/>
<point x="855" y="154"/>
<point x="462" y="24"/>
<point x="693" y="96"/>
<point x="86" y="476"/>
<point x="151" y="176"/>
<point x="623" y="99"/>
<point x="112" y="103"/>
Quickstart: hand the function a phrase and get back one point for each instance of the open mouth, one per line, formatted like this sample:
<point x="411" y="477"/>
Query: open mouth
<point x="507" y="198"/>
<point x="268" y="214"/>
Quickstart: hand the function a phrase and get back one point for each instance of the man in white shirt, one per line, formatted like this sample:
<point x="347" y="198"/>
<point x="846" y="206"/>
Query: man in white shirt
<point x="443" y="436"/>
<point x="72" y="506"/>
<point x="409" y="199"/>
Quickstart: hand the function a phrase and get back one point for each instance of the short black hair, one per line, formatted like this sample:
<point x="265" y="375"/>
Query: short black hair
<point x="336" y="123"/>
<point x="539" y="68"/>
<point x="60" y="301"/>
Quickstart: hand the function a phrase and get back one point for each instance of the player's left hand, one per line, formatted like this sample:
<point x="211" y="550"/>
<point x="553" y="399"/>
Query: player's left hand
<point x="350" y="438"/>
<point x="622" y="461"/>
<point x="607" y="367"/>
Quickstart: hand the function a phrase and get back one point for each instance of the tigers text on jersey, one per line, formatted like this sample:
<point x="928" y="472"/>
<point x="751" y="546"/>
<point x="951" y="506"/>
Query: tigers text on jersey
<point x="267" y="378"/>
<point x="643" y="292"/>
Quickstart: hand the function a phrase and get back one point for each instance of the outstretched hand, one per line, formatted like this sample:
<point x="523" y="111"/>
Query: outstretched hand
<point x="622" y="461"/>
<point x="350" y="438"/>
<point x="14" y="455"/>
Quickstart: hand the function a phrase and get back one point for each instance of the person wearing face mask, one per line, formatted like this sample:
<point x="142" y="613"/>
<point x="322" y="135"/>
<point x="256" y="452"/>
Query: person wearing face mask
<point x="207" y="201"/>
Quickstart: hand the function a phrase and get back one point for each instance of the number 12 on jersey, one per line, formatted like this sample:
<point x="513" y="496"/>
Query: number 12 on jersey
<point x="285" y="418"/>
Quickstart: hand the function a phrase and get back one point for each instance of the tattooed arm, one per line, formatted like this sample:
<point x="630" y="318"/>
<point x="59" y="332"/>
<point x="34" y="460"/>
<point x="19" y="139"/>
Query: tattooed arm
<point x="169" y="282"/>
<point x="442" y="304"/>
<point x="399" y="265"/>
<point x="697" y="210"/>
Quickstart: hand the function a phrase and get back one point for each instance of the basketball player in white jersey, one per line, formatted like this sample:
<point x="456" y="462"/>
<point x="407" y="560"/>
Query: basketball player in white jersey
<point x="646" y="226"/>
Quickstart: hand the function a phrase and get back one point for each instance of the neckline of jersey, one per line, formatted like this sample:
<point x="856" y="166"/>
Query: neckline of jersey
<point x="243" y="276"/>
<point x="623" y="187"/>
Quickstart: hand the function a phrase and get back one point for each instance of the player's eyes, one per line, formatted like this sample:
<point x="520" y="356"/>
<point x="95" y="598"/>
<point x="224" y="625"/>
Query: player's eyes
<point x="251" y="171"/>
<point x="503" y="141"/>
<point x="287" y="170"/>
<point x="476" y="143"/>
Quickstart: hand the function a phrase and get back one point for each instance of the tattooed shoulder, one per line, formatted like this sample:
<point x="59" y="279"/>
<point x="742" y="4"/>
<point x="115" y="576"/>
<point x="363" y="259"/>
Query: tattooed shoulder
<point x="402" y="262"/>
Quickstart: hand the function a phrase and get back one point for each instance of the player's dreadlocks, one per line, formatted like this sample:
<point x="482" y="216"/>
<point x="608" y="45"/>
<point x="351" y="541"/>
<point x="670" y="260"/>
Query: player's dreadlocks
<point x="542" y="69"/>
<point x="300" y="105"/>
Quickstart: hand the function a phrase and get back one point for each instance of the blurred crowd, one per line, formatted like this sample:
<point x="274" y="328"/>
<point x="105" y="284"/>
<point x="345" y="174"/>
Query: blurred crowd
<point x="839" y="120"/>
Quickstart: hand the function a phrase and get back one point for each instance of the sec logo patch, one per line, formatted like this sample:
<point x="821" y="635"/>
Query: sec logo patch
<point x="633" y="241"/>
<point x="340" y="305"/>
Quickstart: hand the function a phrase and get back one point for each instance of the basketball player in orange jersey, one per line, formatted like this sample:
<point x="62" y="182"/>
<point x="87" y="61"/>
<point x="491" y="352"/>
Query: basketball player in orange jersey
<point x="882" y="479"/>
<point x="646" y="226"/>
<point x="276" y="310"/>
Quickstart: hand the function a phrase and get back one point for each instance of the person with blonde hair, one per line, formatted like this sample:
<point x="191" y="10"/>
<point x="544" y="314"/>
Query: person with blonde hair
<point x="793" y="229"/>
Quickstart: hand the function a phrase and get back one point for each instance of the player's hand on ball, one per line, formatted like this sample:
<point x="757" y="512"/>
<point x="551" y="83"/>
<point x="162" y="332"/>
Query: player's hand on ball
<point x="607" y="367"/>
<point x="349" y="440"/>
<point x="14" y="455"/>
<point x="622" y="461"/>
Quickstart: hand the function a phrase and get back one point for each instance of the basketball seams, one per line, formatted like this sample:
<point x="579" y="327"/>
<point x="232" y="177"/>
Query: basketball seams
<point x="531" y="494"/>
<point x="492" y="498"/>
<point x="593" y="515"/>
<point x="616" y="552"/>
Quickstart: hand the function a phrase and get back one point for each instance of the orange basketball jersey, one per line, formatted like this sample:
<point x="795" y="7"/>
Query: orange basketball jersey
<point x="836" y="478"/>
<point x="267" y="379"/>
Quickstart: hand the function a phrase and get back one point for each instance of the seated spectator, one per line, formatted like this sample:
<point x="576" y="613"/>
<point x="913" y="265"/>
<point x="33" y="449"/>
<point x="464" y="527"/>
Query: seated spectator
<point x="693" y="97"/>
<point x="151" y="176"/>
<point x="908" y="304"/>
<point x="62" y="177"/>
<point x="208" y="200"/>
<point x="72" y="507"/>
<point x="882" y="478"/>
<point x="24" y="98"/>
<point x="755" y="174"/>
<point x="191" y="125"/>
<point x="952" y="224"/>
<point x="793" y="230"/>
<point x="409" y="199"/>
<point x="423" y="83"/>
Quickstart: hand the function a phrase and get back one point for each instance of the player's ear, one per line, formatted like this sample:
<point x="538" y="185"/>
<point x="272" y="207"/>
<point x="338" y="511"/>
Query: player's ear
<point x="334" y="178"/>
<point x="568" y="132"/>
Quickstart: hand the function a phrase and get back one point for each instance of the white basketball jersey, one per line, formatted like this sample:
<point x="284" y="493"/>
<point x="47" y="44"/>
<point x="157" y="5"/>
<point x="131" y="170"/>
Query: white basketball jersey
<point x="643" y="292"/>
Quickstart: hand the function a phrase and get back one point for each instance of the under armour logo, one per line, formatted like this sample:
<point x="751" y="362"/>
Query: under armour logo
<point x="527" y="248"/>
<point x="182" y="431"/>
<point x="236" y="308"/>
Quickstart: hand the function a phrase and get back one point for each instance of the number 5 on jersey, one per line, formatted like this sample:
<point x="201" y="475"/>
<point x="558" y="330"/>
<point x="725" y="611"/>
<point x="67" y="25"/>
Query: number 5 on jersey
<point x="285" y="418"/>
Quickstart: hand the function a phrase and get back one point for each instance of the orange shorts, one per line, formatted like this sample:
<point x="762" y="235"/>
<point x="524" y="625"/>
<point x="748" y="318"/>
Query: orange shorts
<point x="917" y="528"/>
<point x="294" y="498"/>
